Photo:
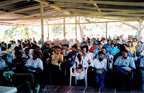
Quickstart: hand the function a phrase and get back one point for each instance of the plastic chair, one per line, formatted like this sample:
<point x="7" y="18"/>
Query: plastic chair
<point x="9" y="76"/>
<point x="73" y="75"/>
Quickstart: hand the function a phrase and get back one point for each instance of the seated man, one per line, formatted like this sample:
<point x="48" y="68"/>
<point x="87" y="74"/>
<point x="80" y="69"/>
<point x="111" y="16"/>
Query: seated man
<point x="98" y="49"/>
<point x="106" y="55"/>
<point x="123" y="67"/>
<point x="56" y="58"/>
<point x="66" y="50"/>
<point x="3" y="65"/>
<point x="119" y="53"/>
<point x="107" y="46"/>
<point x="18" y="62"/>
<point x="141" y="64"/>
<point x="47" y="53"/>
<point x="100" y="66"/>
<point x="34" y="64"/>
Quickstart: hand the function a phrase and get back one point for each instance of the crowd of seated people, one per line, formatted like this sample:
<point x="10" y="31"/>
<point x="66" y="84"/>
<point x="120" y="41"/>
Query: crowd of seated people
<point x="109" y="62"/>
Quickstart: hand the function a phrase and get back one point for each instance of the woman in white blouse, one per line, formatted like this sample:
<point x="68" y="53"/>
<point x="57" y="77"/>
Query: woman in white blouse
<point x="82" y="61"/>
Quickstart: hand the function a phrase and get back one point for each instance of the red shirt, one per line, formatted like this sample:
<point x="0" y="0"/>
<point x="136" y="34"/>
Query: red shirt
<point x="93" y="48"/>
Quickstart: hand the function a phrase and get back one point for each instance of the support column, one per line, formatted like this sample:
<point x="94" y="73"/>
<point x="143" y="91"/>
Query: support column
<point x="76" y="27"/>
<point x="64" y="29"/>
<point x="139" y="29"/>
<point x="106" y="30"/>
<point x="48" y="31"/>
<point x="42" y="25"/>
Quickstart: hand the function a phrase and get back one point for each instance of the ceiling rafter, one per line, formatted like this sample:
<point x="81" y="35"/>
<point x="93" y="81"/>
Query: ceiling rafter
<point x="23" y="9"/>
<point x="8" y="2"/>
<point x="92" y="15"/>
<point x="104" y="2"/>
<point x="110" y="9"/>
<point x="53" y="6"/>
<point x="95" y="4"/>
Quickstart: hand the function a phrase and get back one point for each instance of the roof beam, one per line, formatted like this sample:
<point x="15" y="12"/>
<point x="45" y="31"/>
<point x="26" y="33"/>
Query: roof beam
<point x="110" y="9"/>
<point x="51" y="11"/>
<point x="86" y="15"/>
<point x="8" y="2"/>
<point x="105" y="2"/>
<point x="24" y="9"/>
<point x="95" y="4"/>
<point x="106" y="13"/>
<point x="53" y="6"/>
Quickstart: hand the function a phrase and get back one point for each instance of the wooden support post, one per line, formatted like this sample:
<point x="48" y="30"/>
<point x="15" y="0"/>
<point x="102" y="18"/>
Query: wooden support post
<point x="48" y="31"/>
<point x="64" y="28"/>
<point x="106" y="30"/>
<point x="139" y="29"/>
<point x="76" y="27"/>
<point x="42" y="24"/>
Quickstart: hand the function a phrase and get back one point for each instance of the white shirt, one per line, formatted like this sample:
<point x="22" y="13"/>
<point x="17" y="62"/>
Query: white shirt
<point x="13" y="55"/>
<point x="129" y="62"/>
<point x="25" y="56"/>
<point x="99" y="65"/>
<point x="13" y="46"/>
<point x="2" y="64"/>
<point x="37" y="63"/>
<point x="31" y="51"/>
<point x="142" y="62"/>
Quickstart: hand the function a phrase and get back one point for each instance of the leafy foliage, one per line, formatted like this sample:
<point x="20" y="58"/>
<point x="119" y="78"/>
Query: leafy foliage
<point x="18" y="32"/>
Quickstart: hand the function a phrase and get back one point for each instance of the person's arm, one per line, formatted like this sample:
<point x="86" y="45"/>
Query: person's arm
<point x="134" y="51"/>
<point x="60" y="58"/>
<point x="141" y="64"/>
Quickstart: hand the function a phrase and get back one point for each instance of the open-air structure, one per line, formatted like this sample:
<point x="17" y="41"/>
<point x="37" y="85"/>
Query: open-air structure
<point x="32" y="12"/>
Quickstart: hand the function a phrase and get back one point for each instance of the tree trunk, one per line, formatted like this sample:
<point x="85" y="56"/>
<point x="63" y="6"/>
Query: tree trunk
<point x="81" y="30"/>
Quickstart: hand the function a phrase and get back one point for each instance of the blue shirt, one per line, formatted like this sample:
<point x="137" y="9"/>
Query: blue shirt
<point x="114" y="51"/>
<point x="96" y="51"/>
<point x="128" y="62"/>
<point x="95" y="42"/>
<point x="108" y="47"/>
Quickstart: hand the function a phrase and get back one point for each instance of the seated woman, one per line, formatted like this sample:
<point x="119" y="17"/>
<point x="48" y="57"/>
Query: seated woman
<point x="98" y="49"/>
<point x="100" y="66"/>
<point x="113" y="49"/>
<point x="82" y="61"/>
<point x="131" y="48"/>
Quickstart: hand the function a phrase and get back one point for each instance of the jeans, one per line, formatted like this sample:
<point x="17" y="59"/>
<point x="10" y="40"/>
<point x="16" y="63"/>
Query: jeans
<point x="100" y="79"/>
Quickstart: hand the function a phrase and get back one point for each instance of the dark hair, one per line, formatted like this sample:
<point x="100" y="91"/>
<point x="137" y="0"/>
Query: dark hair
<point x="74" y="46"/>
<point x="140" y="42"/>
<point x="99" y="43"/>
<point x="85" y="42"/>
<point x="27" y="49"/>
<point x="16" y="48"/>
<point x="131" y="43"/>
<point x="9" y="45"/>
<point x="125" y="51"/>
<point x="18" y="53"/>
<point x="58" y="47"/>
<point x="100" y="52"/>
<point x="3" y="48"/>
<point x="35" y="52"/>
<point x="103" y="48"/>
<point x="122" y="47"/>
<point x="66" y="45"/>
<point x="112" y="43"/>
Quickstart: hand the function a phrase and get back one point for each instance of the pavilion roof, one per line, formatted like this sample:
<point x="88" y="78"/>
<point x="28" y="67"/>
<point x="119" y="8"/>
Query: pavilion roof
<point x="27" y="12"/>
